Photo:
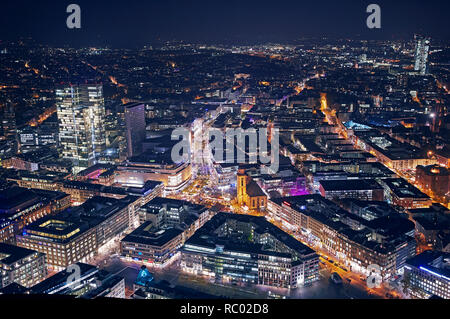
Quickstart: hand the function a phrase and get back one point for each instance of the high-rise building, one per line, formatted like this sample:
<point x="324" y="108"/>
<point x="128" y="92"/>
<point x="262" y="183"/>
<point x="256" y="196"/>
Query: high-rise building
<point x="96" y="103"/>
<point x="8" y="123"/>
<point x="81" y="115"/>
<point x="421" y="57"/>
<point x="8" y="126"/>
<point x="135" y="127"/>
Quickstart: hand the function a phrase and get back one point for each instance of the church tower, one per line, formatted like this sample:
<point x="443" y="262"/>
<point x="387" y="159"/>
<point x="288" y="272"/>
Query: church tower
<point x="241" y="186"/>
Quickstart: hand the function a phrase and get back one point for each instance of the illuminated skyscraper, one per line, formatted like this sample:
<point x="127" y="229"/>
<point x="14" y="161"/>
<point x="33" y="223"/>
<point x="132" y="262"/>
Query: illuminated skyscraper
<point x="8" y="127"/>
<point x="96" y="103"/>
<point x="135" y="127"/>
<point x="421" y="58"/>
<point x="81" y="116"/>
<point x="8" y="122"/>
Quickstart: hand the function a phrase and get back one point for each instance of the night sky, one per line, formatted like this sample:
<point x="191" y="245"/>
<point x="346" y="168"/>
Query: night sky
<point x="134" y="23"/>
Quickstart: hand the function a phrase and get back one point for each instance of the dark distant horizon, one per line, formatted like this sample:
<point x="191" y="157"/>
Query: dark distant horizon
<point x="136" y="23"/>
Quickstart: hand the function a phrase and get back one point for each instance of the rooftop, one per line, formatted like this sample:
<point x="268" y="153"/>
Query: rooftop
<point x="208" y="236"/>
<point x="392" y="227"/>
<point x="146" y="235"/>
<point x="343" y="185"/>
<point x="9" y="254"/>
<point x="74" y="221"/>
<point x="436" y="170"/>
<point x="432" y="261"/>
<point x="403" y="189"/>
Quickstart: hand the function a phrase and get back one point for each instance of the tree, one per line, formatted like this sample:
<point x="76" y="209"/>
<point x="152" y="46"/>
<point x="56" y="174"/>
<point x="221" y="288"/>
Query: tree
<point x="406" y="283"/>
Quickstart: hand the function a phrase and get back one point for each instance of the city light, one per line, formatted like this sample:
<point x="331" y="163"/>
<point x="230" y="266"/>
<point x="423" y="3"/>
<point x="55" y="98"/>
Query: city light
<point x="217" y="152"/>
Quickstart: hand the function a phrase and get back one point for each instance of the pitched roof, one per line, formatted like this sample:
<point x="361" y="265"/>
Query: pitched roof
<point x="253" y="190"/>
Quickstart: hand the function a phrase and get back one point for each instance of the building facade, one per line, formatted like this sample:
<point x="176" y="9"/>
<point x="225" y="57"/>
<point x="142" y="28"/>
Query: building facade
<point x="135" y="127"/>
<point x="421" y="55"/>
<point x="434" y="178"/>
<point x="81" y="117"/>
<point x="357" y="243"/>
<point x="76" y="234"/>
<point x="22" y="266"/>
<point x="429" y="274"/>
<point x="247" y="249"/>
<point x="166" y="225"/>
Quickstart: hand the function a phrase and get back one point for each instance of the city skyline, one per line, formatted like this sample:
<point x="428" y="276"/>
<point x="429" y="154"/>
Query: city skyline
<point x="106" y="23"/>
<point x="222" y="151"/>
